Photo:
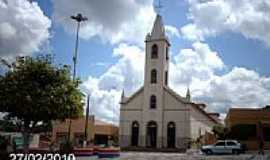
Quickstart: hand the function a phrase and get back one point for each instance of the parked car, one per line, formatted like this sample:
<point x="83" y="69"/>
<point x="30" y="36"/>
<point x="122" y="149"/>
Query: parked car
<point x="223" y="147"/>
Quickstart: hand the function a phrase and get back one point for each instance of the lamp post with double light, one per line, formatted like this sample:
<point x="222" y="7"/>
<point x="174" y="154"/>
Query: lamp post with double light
<point x="78" y="18"/>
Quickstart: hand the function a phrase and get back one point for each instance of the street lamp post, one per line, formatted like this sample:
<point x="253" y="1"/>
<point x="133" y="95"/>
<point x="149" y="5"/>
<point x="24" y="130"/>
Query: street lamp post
<point x="78" y="18"/>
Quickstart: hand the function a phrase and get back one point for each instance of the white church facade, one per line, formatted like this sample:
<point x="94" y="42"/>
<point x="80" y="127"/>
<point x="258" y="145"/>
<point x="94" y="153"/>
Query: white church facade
<point x="155" y="115"/>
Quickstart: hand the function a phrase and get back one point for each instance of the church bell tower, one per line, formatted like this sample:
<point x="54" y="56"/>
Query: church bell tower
<point x="156" y="75"/>
<point x="156" y="66"/>
<point x="157" y="55"/>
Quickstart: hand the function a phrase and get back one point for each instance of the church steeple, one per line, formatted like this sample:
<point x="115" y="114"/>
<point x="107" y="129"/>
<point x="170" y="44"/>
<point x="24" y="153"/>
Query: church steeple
<point x="158" y="31"/>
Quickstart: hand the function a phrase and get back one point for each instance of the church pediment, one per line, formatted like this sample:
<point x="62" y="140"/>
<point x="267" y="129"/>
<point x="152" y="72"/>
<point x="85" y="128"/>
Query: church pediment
<point x="175" y="95"/>
<point x="128" y="99"/>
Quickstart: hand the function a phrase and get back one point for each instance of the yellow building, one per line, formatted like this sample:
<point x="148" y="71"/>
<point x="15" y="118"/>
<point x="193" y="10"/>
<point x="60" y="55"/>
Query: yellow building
<point x="98" y="132"/>
<point x="104" y="132"/>
<point x="253" y="122"/>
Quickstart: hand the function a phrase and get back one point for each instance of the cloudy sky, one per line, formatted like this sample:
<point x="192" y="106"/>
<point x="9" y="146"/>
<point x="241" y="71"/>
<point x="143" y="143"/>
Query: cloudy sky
<point x="220" y="48"/>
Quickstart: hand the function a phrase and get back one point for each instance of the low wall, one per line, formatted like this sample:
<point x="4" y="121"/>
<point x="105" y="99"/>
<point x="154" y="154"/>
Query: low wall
<point x="253" y="145"/>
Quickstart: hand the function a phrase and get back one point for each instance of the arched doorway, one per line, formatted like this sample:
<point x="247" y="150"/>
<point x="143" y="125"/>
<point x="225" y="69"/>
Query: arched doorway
<point x="151" y="139"/>
<point x="171" y="135"/>
<point x="135" y="133"/>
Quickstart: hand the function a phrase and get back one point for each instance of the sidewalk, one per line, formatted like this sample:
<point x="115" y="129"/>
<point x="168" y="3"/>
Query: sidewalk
<point x="254" y="153"/>
<point x="183" y="156"/>
<point x="267" y="152"/>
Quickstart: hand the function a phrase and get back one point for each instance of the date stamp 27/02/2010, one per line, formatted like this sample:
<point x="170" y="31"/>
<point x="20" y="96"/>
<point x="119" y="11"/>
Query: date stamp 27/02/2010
<point x="37" y="156"/>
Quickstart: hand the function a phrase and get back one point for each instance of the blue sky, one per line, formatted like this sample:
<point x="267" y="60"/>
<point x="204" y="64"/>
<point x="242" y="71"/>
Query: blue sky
<point x="214" y="45"/>
<point x="233" y="48"/>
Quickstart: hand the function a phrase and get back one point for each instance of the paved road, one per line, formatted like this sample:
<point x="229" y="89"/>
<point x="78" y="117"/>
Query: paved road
<point x="178" y="156"/>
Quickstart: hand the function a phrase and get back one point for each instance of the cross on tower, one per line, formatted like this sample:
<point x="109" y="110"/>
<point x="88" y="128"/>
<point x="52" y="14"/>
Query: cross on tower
<point x="158" y="7"/>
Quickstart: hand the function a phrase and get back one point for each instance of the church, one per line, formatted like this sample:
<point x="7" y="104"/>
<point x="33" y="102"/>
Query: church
<point x="156" y="116"/>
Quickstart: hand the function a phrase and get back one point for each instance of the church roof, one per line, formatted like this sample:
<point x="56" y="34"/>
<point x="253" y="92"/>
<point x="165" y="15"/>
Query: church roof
<point x="194" y="105"/>
<point x="197" y="107"/>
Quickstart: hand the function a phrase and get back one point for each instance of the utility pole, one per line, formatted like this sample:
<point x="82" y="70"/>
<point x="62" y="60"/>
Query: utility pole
<point x="78" y="18"/>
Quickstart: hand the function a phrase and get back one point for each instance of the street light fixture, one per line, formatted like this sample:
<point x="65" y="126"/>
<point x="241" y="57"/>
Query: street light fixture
<point x="78" y="18"/>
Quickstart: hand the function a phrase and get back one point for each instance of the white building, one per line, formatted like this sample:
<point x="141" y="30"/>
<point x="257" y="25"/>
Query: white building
<point x="155" y="115"/>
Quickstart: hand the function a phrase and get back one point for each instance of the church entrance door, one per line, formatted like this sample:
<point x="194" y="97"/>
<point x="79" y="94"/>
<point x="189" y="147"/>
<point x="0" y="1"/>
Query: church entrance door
<point x="135" y="134"/>
<point x="171" y="135"/>
<point x="151" y="134"/>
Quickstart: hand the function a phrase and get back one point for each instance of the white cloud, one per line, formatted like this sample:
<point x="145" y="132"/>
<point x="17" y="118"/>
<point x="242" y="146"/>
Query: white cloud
<point x="172" y="31"/>
<point x="199" y="62"/>
<point x="112" y="21"/>
<point x="23" y="28"/>
<point x="238" y="88"/>
<point x="196" y="67"/>
<point x="106" y="90"/>
<point x="191" y="32"/>
<point x="212" y="17"/>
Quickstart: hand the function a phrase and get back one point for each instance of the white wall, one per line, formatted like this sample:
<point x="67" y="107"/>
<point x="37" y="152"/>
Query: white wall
<point x="200" y="123"/>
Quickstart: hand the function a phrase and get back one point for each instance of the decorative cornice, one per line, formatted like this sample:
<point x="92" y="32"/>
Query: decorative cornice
<point x="130" y="109"/>
<point x="159" y="39"/>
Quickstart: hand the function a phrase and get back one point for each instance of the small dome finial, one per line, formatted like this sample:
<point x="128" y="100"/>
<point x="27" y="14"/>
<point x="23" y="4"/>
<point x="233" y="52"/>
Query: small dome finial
<point x="123" y="94"/>
<point x="188" y="96"/>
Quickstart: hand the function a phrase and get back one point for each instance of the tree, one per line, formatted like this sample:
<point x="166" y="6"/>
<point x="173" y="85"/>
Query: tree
<point x="35" y="91"/>
<point x="220" y="131"/>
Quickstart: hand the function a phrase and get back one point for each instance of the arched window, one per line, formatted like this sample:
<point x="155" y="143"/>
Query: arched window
<point x="153" y="102"/>
<point x="151" y="134"/>
<point x="153" y="76"/>
<point x="135" y="133"/>
<point x="166" y="77"/>
<point x="167" y="53"/>
<point x="154" y="52"/>
<point x="171" y="135"/>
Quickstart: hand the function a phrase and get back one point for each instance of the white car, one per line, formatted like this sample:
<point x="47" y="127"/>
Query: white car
<point x="223" y="147"/>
